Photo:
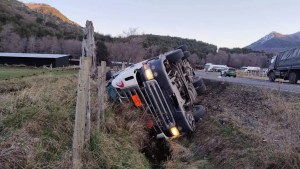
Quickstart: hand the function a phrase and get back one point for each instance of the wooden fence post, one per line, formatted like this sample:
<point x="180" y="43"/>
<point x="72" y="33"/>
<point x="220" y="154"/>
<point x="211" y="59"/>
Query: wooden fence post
<point x="80" y="116"/>
<point x="88" y="115"/>
<point x="99" y="96"/>
<point x="103" y="87"/>
<point x="101" y="93"/>
<point x="123" y="66"/>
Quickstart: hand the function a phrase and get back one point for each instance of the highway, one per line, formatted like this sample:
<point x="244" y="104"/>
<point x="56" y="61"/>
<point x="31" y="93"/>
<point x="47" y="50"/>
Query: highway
<point x="281" y="86"/>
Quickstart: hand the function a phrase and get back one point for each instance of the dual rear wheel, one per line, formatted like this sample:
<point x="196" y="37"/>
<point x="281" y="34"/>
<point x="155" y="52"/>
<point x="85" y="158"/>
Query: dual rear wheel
<point x="293" y="77"/>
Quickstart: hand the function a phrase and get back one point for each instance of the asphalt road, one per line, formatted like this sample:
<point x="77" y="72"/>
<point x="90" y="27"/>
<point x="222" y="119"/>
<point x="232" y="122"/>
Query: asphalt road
<point x="282" y="86"/>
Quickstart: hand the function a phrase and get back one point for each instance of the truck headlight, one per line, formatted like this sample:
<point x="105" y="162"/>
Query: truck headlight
<point x="174" y="131"/>
<point x="148" y="72"/>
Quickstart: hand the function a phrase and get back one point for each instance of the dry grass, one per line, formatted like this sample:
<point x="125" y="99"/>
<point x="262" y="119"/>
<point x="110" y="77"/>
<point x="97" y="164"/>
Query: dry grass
<point x="121" y="140"/>
<point x="36" y="119"/>
<point x="36" y="127"/>
<point x="256" y="76"/>
<point x="247" y="127"/>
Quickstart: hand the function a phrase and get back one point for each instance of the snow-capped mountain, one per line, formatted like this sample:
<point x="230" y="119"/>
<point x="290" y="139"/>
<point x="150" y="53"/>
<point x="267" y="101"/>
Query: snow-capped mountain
<point x="276" y="42"/>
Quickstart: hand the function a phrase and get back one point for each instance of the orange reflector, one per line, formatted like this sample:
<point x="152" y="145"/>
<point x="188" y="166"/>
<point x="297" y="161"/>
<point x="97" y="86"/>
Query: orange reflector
<point x="136" y="100"/>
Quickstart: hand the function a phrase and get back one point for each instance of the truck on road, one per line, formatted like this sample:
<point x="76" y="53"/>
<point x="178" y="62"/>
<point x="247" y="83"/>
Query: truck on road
<point x="286" y="65"/>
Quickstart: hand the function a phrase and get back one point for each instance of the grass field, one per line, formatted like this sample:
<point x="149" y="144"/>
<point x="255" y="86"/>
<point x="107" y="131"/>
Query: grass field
<point x="20" y="72"/>
<point x="37" y="119"/>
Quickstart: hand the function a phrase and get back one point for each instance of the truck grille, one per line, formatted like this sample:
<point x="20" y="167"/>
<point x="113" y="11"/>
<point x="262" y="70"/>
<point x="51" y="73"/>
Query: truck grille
<point x="153" y="101"/>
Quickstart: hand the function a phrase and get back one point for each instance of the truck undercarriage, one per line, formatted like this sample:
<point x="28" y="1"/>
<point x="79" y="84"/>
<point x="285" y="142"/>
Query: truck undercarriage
<point x="166" y="87"/>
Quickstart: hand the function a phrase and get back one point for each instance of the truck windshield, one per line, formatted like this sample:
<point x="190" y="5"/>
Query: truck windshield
<point x="273" y="59"/>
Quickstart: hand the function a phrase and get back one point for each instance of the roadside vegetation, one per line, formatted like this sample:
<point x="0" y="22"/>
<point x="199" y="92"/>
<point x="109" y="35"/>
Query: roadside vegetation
<point x="37" y="119"/>
<point x="8" y="72"/>
<point x="245" y="127"/>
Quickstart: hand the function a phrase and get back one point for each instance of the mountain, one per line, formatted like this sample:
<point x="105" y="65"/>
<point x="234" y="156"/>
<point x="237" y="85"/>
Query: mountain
<point x="276" y="42"/>
<point x="37" y="28"/>
<point x="49" y="10"/>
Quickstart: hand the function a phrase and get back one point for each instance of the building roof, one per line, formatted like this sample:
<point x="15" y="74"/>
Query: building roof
<point x="33" y="55"/>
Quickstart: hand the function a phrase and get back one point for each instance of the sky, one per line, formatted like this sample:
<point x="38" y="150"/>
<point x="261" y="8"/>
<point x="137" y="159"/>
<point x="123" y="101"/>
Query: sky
<point x="225" y="23"/>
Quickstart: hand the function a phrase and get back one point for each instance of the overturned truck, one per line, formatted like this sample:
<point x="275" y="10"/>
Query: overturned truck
<point x="166" y="86"/>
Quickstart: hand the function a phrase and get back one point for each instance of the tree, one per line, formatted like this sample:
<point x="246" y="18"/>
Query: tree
<point x="102" y="53"/>
<point x="130" y="32"/>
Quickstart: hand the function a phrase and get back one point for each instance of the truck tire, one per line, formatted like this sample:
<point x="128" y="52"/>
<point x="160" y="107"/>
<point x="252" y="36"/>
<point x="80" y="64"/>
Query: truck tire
<point x="293" y="78"/>
<point x="272" y="77"/>
<point x="187" y="124"/>
<point x="183" y="48"/>
<point x="199" y="85"/>
<point x="198" y="112"/>
<point x="186" y="55"/>
<point x="175" y="56"/>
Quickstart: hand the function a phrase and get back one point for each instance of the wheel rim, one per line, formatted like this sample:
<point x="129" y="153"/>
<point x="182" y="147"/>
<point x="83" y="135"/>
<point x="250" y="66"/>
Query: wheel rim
<point x="191" y="120"/>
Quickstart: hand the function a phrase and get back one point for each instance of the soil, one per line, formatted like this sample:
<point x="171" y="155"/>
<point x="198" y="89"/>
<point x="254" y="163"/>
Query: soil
<point x="244" y="127"/>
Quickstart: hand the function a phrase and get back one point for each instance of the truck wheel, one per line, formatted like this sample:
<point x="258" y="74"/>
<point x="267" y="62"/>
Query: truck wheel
<point x="186" y="120"/>
<point x="183" y="48"/>
<point x="293" y="78"/>
<point x="186" y="55"/>
<point x="199" y="85"/>
<point x="198" y="112"/>
<point x="174" y="56"/>
<point x="272" y="77"/>
<point x="188" y="123"/>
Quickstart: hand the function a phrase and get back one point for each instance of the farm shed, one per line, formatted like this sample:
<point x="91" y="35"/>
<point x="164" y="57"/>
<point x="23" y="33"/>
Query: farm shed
<point x="33" y="59"/>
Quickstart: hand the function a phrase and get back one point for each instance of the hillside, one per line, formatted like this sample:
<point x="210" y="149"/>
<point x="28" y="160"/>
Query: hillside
<point x="48" y="10"/>
<point x="40" y="28"/>
<point x="276" y="42"/>
<point x="26" y="30"/>
<point x="140" y="47"/>
<point x="239" y="57"/>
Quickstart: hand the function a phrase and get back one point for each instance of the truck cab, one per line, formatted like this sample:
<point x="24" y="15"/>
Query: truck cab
<point x="272" y="63"/>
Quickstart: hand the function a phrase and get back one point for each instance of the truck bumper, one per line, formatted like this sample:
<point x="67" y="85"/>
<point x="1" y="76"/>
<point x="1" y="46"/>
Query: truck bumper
<point x="153" y="101"/>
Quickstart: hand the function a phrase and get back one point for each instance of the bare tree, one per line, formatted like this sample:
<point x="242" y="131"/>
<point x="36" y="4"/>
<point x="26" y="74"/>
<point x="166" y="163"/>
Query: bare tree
<point x="130" y="32"/>
<point x="132" y="50"/>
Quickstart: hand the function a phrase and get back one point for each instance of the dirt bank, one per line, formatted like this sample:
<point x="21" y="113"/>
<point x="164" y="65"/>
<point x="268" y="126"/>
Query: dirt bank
<point x="245" y="127"/>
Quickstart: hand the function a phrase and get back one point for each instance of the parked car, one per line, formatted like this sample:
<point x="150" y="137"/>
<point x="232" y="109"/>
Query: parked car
<point x="166" y="86"/>
<point x="230" y="72"/>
